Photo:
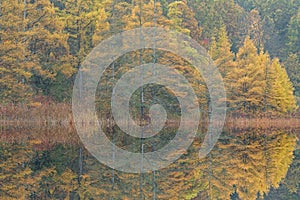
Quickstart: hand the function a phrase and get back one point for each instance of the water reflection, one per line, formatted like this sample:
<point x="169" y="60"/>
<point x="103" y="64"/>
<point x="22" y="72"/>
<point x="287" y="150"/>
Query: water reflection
<point x="51" y="163"/>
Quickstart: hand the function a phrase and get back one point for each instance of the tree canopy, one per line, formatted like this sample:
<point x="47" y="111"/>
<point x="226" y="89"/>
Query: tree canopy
<point x="255" y="45"/>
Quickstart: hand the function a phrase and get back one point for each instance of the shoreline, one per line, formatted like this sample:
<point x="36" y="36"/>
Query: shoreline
<point x="60" y="114"/>
<point x="230" y="123"/>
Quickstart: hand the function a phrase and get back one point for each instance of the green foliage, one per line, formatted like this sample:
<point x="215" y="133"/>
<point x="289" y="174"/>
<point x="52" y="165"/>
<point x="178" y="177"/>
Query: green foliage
<point x="292" y="66"/>
<point x="293" y="40"/>
<point x="183" y="19"/>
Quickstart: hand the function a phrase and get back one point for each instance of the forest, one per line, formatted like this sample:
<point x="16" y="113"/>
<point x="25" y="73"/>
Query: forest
<point x="254" y="43"/>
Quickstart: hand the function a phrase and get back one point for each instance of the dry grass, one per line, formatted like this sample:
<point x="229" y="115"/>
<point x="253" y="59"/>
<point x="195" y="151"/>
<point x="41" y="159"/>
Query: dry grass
<point x="38" y="114"/>
<point x="60" y="114"/>
<point x="263" y="123"/>
<point x="40" y="137"/>
<point x="47" y="125"/>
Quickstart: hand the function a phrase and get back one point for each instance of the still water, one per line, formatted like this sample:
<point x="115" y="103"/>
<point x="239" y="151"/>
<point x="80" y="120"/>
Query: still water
<point x="51" y="163"/>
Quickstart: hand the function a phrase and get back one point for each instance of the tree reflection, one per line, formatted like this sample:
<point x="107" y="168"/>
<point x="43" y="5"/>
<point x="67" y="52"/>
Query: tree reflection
<point x="243" y="165"/>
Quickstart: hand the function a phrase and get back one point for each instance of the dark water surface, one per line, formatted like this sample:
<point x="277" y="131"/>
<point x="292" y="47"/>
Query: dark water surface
<point x="51" y="163"/>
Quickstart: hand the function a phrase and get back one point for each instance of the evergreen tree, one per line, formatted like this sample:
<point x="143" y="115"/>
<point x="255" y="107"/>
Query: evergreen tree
<point x="183" y="19"/>
<point x="255" y="30"/>
<point x="292" y="66"/>
<point x="293" y="40"/>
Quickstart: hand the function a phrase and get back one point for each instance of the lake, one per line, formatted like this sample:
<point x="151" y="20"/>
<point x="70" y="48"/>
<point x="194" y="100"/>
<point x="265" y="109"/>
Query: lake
<point x="50" y="162"/>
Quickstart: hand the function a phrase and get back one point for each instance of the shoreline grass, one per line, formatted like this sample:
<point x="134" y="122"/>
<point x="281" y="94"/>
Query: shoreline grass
<point x="60" y="114"/>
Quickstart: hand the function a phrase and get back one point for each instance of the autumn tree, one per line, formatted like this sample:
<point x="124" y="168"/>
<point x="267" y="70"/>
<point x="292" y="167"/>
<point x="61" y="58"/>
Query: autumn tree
<point x="279" y="89"/>
<point x="16" y="63"/>
<point x="246" y="81"/>
<point x="220" y="51"/>
<point x="48" y="46"/>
